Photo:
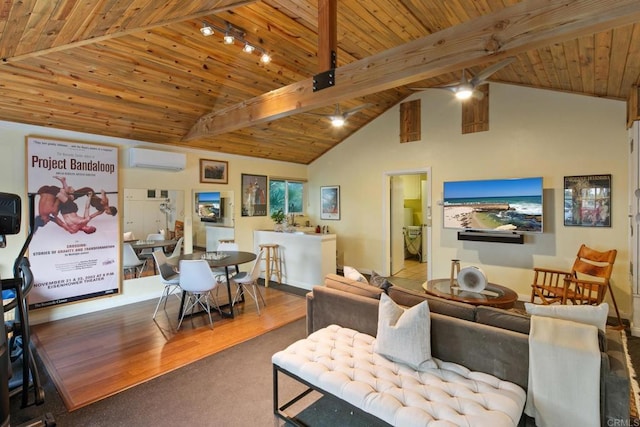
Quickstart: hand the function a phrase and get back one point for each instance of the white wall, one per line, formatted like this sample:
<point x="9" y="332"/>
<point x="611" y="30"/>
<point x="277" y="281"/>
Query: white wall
<point x="532" y="133"/>
<point x="13" y="177"/>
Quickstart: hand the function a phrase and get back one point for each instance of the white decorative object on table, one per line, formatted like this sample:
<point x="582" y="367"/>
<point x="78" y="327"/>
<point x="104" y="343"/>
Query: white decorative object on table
<point x="472" y="279"/>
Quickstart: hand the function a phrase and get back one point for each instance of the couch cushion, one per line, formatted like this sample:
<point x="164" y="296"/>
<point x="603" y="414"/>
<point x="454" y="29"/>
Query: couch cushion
<point x="410" y="298"/>
<point x="404" y="334"/>
<point x="352" y="286"/>
<point x="503" y="319"/>
<point x="353" y="274"/>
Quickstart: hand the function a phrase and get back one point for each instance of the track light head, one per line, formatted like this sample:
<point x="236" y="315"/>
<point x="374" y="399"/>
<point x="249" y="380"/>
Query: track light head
<point x="265" y="58"/>
<point x="248" y="48"/>
<point x="206" y="30"/>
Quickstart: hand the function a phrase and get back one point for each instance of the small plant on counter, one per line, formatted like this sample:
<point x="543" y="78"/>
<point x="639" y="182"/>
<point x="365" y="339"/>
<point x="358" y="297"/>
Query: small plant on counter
<point x="278" y="217"/>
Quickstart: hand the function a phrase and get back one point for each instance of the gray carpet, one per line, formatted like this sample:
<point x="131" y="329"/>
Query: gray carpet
<point x="231" y="388"/>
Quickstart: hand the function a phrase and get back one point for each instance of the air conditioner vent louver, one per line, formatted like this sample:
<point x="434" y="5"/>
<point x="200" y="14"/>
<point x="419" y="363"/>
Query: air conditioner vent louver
<point x="154" y="159"/>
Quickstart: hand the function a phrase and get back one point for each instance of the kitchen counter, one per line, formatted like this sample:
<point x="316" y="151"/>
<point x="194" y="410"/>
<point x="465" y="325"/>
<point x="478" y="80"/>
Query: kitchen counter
<point x="306" y="257"/>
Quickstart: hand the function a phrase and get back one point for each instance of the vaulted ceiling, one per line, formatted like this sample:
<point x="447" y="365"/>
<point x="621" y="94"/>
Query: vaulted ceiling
<point x="142" y="70"/>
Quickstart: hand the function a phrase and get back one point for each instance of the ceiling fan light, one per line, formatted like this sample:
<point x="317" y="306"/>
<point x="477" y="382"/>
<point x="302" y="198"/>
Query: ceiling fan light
<point x="337" y="122"/>
<point x="206" y="30"/>
<point x="463" y="94"/>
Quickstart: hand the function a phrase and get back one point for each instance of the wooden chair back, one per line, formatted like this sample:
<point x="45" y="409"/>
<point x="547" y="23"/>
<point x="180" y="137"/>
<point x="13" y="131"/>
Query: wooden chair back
<point x="590" y="276"/>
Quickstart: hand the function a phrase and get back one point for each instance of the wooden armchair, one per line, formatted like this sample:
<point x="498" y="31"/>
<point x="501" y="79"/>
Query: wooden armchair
<point x="586" y="283"/>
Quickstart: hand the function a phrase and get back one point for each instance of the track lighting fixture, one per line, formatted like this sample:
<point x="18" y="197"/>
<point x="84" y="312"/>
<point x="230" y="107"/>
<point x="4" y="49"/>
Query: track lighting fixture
<point x="206" y="30"/>
<point x="233" y="34"/>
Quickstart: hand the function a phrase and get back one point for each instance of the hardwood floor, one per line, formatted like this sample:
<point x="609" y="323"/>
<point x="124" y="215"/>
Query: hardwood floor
<point x="94" y="356"/>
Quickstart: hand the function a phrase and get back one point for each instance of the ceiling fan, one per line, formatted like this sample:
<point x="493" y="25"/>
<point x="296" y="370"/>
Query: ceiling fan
<point x="466" y="88"/>
<point x="339" y="117"/>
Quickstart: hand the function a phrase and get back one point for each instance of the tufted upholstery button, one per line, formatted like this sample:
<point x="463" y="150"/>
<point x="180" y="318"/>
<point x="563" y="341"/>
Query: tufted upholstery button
<point x="341" y="361"/>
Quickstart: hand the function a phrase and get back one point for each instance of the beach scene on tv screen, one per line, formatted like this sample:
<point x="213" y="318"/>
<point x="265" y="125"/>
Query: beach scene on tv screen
<point x="500" y="204"/>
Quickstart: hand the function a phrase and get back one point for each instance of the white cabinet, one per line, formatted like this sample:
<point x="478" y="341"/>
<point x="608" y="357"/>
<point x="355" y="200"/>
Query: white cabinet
<point x="143" y="214"/>
<point x="306" y="258"/>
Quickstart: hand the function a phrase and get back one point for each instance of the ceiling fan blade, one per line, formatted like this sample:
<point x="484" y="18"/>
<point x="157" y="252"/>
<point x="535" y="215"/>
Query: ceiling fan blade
<point x="483" y="75"/>
<point x="355" y="110"/>
<point x="476" y="94"/>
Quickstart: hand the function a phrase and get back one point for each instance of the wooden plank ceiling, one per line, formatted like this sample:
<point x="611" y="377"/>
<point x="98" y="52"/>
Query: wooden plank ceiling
<point x="141" y="69"/>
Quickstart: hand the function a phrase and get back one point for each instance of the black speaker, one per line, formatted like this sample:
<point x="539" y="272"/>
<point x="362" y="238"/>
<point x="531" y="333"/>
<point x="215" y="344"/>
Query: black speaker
<point x="9" y="213"/>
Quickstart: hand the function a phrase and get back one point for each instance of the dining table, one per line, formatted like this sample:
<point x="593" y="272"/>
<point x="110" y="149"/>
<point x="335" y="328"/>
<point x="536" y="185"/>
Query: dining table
<point x="139" y="245"/>
<point x="219" y="259"/>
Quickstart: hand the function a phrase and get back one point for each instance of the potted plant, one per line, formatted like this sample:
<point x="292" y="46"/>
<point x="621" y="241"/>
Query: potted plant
<point x="278" y="217"/>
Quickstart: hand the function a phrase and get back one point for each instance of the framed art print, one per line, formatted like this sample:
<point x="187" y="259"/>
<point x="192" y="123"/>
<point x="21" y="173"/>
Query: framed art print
<point x="254" y="195"/>
<point x="330" y="202"/>
<point x="587" y="200"/>
<point x="214" y="171"/>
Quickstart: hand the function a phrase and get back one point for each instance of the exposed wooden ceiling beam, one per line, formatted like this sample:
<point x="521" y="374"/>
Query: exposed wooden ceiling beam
<point x="527" y="25"/>
<point x="222" y="6"/>
<point x="327" y="34"/>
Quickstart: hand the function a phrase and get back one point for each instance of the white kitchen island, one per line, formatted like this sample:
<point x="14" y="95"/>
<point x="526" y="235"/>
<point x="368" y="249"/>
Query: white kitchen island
<point x="306" y="257"/>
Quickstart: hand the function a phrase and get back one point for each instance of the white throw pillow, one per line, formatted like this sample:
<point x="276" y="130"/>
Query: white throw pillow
<point x="595" y="315"/>
<point x="404" y="335"/>
<point x="353" y="274"/>
<point x="128" y="236"/>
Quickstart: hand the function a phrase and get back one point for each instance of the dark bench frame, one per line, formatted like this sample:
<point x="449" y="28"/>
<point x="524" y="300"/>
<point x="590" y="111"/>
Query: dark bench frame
<point x="279" y="410"/>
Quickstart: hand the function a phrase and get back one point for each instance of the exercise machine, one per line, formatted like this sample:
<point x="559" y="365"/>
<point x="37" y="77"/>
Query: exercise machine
<point x="18" y="370"/>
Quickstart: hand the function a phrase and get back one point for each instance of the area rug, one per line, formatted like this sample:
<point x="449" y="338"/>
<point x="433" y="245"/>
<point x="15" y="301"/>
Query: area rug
<point x="634" y="393"/>
<point x="118" y="358"/>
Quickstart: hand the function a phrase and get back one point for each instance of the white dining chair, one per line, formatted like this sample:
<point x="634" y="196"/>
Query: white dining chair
<point x="247" y="282"/>
<point x="146" y="253"/>
<point x="177" y="250"/>
<point x="169" y="277"/>
<point x="221" y="272"/>
<point x="130" y="261"/>
<point x="198" y="281"/>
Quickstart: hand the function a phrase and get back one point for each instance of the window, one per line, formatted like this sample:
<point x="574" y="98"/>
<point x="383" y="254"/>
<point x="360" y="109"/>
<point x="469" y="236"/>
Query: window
<point x="286" y="195"/>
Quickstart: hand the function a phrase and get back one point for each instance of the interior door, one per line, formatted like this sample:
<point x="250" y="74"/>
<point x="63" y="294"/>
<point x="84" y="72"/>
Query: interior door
<point x="397" y="224"/>
<point x="426" y="218"/>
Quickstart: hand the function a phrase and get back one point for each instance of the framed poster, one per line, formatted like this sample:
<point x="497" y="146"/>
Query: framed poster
<point x="75" y="249"/>
<point x="587" y="200"/>
<point x="330" y="202"/>
<point x="214" y="171"/>
<point x="254" y="195"/>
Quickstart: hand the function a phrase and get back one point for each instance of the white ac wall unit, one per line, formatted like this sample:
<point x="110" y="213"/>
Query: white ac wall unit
<point x="154" y="159"/>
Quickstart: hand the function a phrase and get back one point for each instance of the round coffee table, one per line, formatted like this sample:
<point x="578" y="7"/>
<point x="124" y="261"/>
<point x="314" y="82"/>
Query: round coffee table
<point x="493" y="295"/>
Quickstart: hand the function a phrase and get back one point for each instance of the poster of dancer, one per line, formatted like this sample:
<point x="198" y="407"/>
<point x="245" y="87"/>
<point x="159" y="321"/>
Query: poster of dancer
<point x="75" y="249"/>
<point x="254" y="195"/>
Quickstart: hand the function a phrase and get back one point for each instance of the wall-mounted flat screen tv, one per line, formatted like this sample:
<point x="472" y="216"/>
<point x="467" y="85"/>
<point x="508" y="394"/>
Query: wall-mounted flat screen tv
<point x="494" y="204"/>
<point x="209" y="206"/>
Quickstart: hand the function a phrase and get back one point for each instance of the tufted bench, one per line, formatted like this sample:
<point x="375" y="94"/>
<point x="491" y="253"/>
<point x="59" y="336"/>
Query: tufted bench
<point x="341" y="362"/>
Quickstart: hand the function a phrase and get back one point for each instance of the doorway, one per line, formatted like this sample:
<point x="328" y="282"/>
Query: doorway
<point x="407" y="225"/>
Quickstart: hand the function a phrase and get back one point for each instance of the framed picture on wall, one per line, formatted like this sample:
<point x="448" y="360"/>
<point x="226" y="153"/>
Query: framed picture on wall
<point x="214" y="171"/>
<point x="254" y="195"/>
<point x="587" y="200"/>
<point x="330" y="202"/>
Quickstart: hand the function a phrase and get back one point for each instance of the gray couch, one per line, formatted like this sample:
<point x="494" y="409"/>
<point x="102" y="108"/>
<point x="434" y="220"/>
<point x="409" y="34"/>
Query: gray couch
<point x="484" y="339"/>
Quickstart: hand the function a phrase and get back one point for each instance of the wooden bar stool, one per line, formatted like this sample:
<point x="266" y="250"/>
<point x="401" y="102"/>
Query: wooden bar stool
<point x="272" y="262"/>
